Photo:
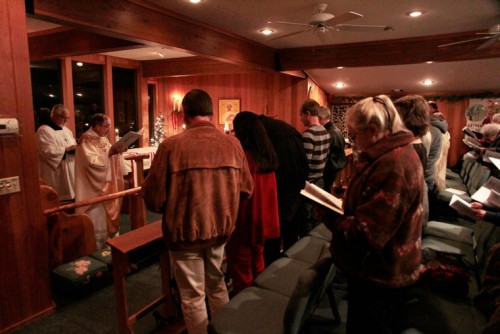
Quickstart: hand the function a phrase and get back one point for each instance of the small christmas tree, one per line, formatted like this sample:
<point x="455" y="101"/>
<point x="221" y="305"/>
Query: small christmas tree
<point x="159" y="133"/>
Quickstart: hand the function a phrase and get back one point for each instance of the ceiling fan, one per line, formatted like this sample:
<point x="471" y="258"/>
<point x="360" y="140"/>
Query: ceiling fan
<point x="491" y="37"/>
<point x="322" y="22"/>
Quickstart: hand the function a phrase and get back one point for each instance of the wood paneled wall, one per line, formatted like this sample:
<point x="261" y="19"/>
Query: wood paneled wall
<point x="272" y="94"/>
<point x="454" y="112"/>
<point x="316" y="93"/>
<point x="24" y="282"/>
<point x="281" y="96"/>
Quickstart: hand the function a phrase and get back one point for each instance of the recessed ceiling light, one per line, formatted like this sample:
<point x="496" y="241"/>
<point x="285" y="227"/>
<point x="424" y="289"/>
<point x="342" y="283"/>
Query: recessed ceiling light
<point x="52" y="95"/>
<point x="340" y="67"/>
<point x="428" y="82"/>
<point x="339" y="85"/>
<point x="195" y="1"/>
<point x="415" y="13"/>
<point x="79" y="63"/>
<point x="429" y="62"/>
<point x="79" y="94"/>
<point x="266" y="31"/>
<point x="397" y="90"/>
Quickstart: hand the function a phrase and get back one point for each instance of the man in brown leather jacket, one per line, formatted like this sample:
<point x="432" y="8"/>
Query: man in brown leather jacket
<point x="196" y="180"/>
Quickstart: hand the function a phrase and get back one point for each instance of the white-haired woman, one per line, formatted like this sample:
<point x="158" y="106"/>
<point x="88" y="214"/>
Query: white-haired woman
<point x="376" y="244"/>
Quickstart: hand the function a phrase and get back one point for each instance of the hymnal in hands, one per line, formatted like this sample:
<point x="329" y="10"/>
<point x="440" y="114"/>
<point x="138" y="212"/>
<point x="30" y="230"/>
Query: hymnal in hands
<point x="322" y="197"/>
<point x="463" y="207"/>
<point x="488" y="194"/>
<point x="128" y="139"/>
<point x="472" y="143"/>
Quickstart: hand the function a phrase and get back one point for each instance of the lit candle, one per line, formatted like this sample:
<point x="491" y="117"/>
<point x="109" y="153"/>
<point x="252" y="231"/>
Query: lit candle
<point x="176" y="104"/>
<point x="117" y="135"/>
<point x="226" y="128"/>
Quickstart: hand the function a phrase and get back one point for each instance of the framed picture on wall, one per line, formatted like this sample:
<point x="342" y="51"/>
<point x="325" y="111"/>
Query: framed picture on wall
<point x="228" y="110"/>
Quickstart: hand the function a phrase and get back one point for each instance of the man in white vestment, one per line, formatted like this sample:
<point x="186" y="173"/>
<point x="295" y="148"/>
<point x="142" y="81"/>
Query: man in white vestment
<point x="56" y="149"/>
<point x="98" y="172"/>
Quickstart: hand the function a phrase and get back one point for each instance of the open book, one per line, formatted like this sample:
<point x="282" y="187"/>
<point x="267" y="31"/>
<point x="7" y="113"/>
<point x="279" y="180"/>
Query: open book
<point x="490" y="156"/>
<point x="128" y="139"/>
<point x="472" y="133"/>
<point x="495" y="161"/>
<point x="322" y="197"/>
<point x="472" y="143"/>
<point x="489" y="194"/>
<point x="462" y="206"/>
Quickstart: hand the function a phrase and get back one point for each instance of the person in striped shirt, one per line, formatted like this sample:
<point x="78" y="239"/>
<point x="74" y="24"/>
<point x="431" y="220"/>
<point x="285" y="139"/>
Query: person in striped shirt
<point x="316" y="140"/>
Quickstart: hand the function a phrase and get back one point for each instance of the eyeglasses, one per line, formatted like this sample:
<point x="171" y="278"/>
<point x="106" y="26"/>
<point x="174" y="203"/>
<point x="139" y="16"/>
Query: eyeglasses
<point x="377" y="99"/>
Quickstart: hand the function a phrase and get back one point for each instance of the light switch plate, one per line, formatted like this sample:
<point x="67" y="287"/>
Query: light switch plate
<point x="9" y="185"/>
<point x="9" y="126"/>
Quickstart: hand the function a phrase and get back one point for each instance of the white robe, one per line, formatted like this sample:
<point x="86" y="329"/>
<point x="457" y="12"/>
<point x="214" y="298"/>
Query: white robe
<point x="55" y="167"/>
<point x="97" y="174"/>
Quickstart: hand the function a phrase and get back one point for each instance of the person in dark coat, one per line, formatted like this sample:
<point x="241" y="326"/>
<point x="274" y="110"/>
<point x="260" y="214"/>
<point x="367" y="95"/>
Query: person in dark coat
<point x="290" y="178"/>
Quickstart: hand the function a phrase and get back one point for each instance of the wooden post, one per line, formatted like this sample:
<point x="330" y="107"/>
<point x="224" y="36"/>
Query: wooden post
<point x="137" y="207"/>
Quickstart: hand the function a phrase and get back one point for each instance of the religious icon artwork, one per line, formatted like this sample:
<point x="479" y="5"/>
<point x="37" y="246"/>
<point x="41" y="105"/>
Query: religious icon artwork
<point x="228" y="109"/>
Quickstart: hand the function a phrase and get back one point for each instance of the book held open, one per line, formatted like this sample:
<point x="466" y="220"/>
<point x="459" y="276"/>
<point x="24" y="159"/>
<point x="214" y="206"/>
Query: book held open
<point x="463" y="207"/>
<point x="128" y="139"/>
<point x="489" y="194"/>
<point x="322" y="197"/>
<point x="472" y="143"/>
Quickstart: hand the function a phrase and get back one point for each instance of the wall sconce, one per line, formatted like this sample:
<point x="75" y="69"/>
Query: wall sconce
<point x="176" y="104"/>
<point x="177" y="117"/>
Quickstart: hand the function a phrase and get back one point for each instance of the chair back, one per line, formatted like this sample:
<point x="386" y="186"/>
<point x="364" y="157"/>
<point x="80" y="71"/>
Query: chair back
<point x="307" y="295"/>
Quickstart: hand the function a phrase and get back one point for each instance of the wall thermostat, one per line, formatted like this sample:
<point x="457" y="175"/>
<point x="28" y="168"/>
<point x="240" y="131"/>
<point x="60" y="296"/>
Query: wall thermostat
<point x="9" y="126"/>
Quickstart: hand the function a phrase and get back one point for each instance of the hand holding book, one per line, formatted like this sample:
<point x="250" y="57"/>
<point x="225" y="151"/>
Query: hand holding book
<point x="128" y="139"/>
<point x="322" y="197"/>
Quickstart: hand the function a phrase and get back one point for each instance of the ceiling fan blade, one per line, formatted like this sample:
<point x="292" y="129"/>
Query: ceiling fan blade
<point x="489" y="43"/>
<point x="467" y="41"/>
<point x="294" y="23"/>
<point x="291" y="34"/>
<point x="349" y="16"/>
<point x="361" y="27"/>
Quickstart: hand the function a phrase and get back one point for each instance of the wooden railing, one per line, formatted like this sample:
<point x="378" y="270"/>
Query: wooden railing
<point x="137" y="208"/>
<point x="137" y="216"/>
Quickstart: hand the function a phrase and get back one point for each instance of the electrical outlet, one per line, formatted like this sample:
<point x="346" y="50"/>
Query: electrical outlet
<point x="9" y="185"/>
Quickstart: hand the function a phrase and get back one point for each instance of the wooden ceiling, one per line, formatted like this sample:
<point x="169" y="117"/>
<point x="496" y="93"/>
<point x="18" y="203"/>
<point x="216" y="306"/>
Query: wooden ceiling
<point x="95" y="26"/>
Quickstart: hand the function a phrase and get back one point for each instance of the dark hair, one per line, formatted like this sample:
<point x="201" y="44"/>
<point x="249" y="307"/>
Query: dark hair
<point x="97" y="119"/>
<point x="434" y="106"/>
<point x="311" y="106"/>
<point x="254" y="140"/>
<point x="414" y="111"/>
<point x="197" y="103"/>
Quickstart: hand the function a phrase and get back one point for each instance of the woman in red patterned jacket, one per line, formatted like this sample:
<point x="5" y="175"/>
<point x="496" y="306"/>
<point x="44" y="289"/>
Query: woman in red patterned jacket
<point x="376" y="244"/>
<point x="258" y="217"/>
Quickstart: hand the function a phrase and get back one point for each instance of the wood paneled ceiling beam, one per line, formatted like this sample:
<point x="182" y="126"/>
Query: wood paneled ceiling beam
<point x="71" y="42"/>
<point x="143" y="22"/>
<point x="388" y="52"/>
<point x="189" y="66"/>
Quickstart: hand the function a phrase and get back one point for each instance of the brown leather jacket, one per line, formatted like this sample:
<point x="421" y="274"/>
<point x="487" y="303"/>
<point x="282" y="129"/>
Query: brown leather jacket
<point x="196" y="180"/>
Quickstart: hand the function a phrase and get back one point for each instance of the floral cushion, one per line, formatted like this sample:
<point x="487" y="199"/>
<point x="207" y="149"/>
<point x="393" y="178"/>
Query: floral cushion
<point x="81" y="271"/>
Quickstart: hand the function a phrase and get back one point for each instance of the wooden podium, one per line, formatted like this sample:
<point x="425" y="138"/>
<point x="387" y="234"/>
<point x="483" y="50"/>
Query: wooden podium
<point x="137" y="207"/>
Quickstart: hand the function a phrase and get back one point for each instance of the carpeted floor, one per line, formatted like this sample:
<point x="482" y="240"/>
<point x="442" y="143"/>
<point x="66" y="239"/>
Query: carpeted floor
<point x="95" y="312"/>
